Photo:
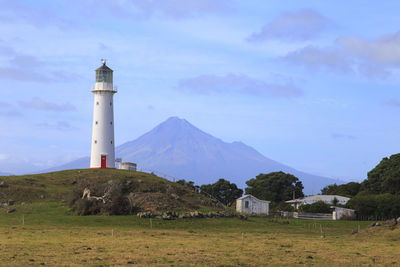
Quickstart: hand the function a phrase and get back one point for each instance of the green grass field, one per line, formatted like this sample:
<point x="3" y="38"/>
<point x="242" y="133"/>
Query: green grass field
<point x="49" y="234"/>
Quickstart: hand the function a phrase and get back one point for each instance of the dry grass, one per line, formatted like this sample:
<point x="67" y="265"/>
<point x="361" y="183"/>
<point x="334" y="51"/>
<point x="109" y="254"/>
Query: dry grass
<point x="54" y="237"/>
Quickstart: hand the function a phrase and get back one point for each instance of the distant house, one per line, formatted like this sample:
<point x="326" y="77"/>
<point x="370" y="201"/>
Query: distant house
<point x="328" y="199"/>
<point x="251" y="204"/>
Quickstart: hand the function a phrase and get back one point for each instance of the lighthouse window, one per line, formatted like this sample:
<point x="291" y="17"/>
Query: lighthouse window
<point x="104" y="76"/>
<point x="110" y="103"/>
<point x="111" y="123"/>
<point x="97" y="103"/>
<point x="95" y="141"/>
<point x="97" y="122"/>
<point x="111" y="142"/>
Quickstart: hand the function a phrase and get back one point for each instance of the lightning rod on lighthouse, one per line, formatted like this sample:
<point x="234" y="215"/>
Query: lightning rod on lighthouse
<point x="103" y="148"/>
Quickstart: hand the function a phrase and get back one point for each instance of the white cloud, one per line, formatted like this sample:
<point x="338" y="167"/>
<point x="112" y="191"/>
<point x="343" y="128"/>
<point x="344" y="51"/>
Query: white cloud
<point x="7" y="110"/>
<point x="28" y="68"/>
<point x="175" y="9"/>
<point x="4" y="105"/>
<point x="59" y="126"/>
<point x="317" y="58"/>
<point x="44" y="16"/>
<point x="343" y="136"/>
<point x="181" y="8"/>
<point x="392" y="103"/>
<point x="372" y="58"/>
<point x="40" y="104"/>
<point x="292" y="26"/>
<point x="238" y="83"/>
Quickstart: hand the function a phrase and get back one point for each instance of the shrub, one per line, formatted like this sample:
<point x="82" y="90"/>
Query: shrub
<point x="282" y="206"/>
<point x="110" y="198"/>
<point x="317" y="207"/>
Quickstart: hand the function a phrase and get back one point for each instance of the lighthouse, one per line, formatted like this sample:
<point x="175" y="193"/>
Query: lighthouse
<point x="103" y="147"/>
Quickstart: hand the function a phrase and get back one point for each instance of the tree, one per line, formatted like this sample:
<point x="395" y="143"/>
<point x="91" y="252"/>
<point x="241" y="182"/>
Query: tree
<point x="385" y="177"/>
<point x="222" y="190"/>
<point x="275" y="186"/>
<point x="347" y="190"/>
<point x="335" y="201"/>
<point x="382" y="206"/>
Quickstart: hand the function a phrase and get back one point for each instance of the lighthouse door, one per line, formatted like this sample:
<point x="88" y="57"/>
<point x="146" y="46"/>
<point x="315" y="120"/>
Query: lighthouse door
<point x="103" y="161"/>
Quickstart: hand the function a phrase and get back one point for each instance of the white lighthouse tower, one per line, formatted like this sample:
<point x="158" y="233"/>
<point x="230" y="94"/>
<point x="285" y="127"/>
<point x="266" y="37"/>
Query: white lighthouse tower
<point x="103" y="148"/>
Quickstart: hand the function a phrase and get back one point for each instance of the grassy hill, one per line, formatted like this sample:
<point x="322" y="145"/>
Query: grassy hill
<point x="150" y="191"/>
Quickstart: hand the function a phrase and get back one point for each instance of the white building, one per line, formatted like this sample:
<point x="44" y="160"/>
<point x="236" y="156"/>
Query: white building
<point x="327" y="199"/>
<point x="251" y="204"/>
<point x="340" y="213"/>
<point x="127" y="166"/>
<point x="103" y="148"/>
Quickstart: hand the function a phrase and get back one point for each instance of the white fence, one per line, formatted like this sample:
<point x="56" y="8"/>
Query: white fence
<point x="313" y="216"/>
<point x="306" y="216"/>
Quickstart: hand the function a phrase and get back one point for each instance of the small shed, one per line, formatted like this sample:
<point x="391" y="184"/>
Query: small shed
<point x="127" y="166"/>
<point x="340" y="213"/>
<point x="253" y="205"/>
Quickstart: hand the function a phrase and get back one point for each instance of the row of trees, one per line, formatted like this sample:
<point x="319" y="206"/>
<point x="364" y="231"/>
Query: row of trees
<point x="276" y="187"/>
<point x="378" y="196"/>
<point x="222" y="190"/>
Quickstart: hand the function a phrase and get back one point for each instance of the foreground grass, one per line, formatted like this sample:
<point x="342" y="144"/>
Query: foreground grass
<point x="49" y="234"/>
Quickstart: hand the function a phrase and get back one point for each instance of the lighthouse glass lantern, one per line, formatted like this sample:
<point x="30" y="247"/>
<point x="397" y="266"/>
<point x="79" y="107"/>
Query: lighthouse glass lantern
<point x="103" y="148"/>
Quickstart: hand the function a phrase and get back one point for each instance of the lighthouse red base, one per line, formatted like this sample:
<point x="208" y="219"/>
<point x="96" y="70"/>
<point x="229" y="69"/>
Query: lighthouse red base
<point x="103" y="162"/>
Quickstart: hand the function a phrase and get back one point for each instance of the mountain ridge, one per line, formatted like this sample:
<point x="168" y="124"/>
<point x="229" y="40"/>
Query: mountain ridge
<point x="180" y="149"/>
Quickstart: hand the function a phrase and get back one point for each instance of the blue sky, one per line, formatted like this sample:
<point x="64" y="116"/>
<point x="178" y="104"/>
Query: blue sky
<point x="312" y="84"/>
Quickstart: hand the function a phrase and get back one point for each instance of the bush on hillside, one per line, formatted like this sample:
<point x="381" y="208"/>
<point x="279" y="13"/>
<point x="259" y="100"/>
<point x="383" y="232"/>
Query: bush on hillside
<point x="111" y="198"/>
<point x="190" y="184"/>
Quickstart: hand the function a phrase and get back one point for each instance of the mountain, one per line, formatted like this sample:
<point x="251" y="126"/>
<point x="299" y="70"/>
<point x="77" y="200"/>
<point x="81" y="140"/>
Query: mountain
<point x="179" y="149"/>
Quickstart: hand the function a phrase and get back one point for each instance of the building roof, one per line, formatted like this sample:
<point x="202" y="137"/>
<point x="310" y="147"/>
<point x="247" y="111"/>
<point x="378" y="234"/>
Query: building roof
<point x="104" y="67"/>
<point x="251" y="196"/>
<point x="325" y="198"/>
<point x="127" y="163"/>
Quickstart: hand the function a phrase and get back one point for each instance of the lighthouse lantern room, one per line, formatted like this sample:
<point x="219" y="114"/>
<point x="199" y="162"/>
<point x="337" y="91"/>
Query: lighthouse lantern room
<point x="103" y="148"/>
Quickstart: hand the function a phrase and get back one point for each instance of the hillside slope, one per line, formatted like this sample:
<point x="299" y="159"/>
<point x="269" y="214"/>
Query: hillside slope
<point x="151" y="192"/>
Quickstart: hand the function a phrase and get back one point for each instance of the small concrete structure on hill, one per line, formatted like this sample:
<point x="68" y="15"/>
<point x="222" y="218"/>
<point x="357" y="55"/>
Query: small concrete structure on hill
<point x="252" y="205"/>
<point x="127" y="166"/>
<point x="327" y="199"/>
